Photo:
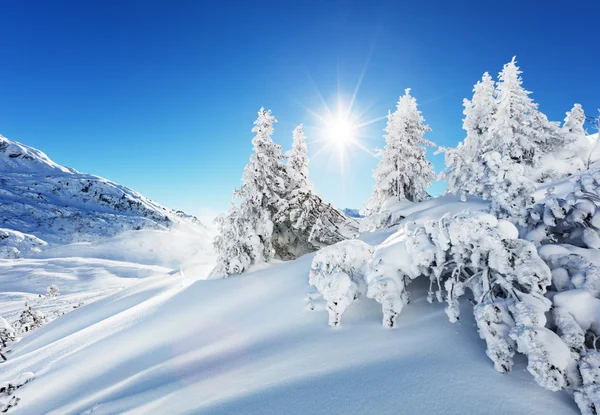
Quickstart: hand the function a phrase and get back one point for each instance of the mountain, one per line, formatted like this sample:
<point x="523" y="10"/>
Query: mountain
<point x="44" y="202"/>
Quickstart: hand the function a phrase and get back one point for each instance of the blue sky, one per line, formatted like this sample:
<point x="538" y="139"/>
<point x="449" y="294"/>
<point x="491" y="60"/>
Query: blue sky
<point x="161" y="96"/>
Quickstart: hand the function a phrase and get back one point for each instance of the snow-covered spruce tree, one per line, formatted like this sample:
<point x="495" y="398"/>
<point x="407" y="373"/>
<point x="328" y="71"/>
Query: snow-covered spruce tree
<point x="297" y="165"/>
<point x="245" y="232"/>
<point x="479" y="114"/>
<point x="520" y="131"/>
<point x="403" y="172"/>
<point x="337" y="272"/>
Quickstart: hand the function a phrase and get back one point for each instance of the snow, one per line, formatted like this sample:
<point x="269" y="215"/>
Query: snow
<point x="42" y="202"/>
<point x="248" y="345"/>
<point x="582" y="305"/>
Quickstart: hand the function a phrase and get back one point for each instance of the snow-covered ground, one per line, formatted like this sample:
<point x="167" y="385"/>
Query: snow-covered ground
<point x="161" y="339"/>
<point x="175" y="343"/>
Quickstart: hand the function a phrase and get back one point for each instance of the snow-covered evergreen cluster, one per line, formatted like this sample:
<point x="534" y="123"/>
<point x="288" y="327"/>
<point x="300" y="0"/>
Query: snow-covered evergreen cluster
<point x="531" y="271"/>
<point x="510" y="145"/>
<point x="279" y="215"/>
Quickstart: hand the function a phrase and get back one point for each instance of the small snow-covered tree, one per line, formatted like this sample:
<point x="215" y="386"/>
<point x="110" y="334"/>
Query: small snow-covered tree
<point x="587" y="396"/>
<point x="505" y="184"/>
<point x="52" y="291"/>
<point x="246" y="231"/>
<point x="573" y="124"/>
<point x="403" y="172"/>
<point x="30" y="319"/>
<point x="7" y="335"/>
<point x="337" y="273"/>
<point x="297" y="165"/>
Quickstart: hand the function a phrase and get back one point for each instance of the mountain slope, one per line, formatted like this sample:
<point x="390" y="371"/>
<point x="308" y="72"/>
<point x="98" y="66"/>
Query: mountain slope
<point x="248" y="344"/>
<point x="61" y="205"/>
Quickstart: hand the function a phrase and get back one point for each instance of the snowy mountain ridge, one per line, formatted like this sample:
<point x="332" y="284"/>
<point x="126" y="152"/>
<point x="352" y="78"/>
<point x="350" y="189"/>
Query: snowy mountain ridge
<point x="60" y="205"/>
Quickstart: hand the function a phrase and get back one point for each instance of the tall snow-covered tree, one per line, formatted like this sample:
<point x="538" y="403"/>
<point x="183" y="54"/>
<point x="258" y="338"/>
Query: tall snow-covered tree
<point x="519" y="130"/>
<point x="403" y="172"/>
<point x="245" y="232"/>
<point x="479" y="114"/>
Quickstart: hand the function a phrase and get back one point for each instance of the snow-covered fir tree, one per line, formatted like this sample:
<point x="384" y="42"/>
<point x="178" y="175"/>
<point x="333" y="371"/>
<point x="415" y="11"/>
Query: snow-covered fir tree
<point x="461" y="161"/>
<point x="297" y="165"/>
<point x="403" y="172"/>
<point x="245" y="232"/>
<point x="574" y="122"/>
<point x="519" y="129"/>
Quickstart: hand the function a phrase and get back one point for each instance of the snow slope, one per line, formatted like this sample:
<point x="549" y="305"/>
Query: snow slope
<point x="175" y="343"/>
<point x="59" y="205"/>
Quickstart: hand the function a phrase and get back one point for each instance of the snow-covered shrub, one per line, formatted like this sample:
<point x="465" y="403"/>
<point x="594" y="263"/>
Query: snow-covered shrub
<point x="479" y="252"/>
<point x="30" y="319"/>
<point x="337" y="272"/>
<point x="403" y="172"/>
<point x="574" y="219"/>
<point x="52" y="291"/>
<point x="587" y="395"/>
<point x="7" y="399"/>
<point x="387" y="279"/>
<point x="7" y="335"/>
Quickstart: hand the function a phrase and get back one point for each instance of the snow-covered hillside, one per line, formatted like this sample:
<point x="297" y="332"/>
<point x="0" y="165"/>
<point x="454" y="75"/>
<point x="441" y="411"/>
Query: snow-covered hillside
<point x="58" y="205"/>
<point x="174" y="343"/>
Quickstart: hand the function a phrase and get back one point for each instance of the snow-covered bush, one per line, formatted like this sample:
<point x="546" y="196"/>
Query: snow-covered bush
<point x="506" y="277"/>
<point x="7" y="335"/>
<point x="587" y="395"/>
<point x="337" y="272"/>
<point x="30" y="319"/>
<point x="574" y="219"/>
<point x="7" y="399"/>
<point x="52" y="291"/>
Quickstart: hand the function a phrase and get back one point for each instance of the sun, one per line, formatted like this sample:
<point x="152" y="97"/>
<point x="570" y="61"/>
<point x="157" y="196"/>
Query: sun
<point x="340" y="132"/>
